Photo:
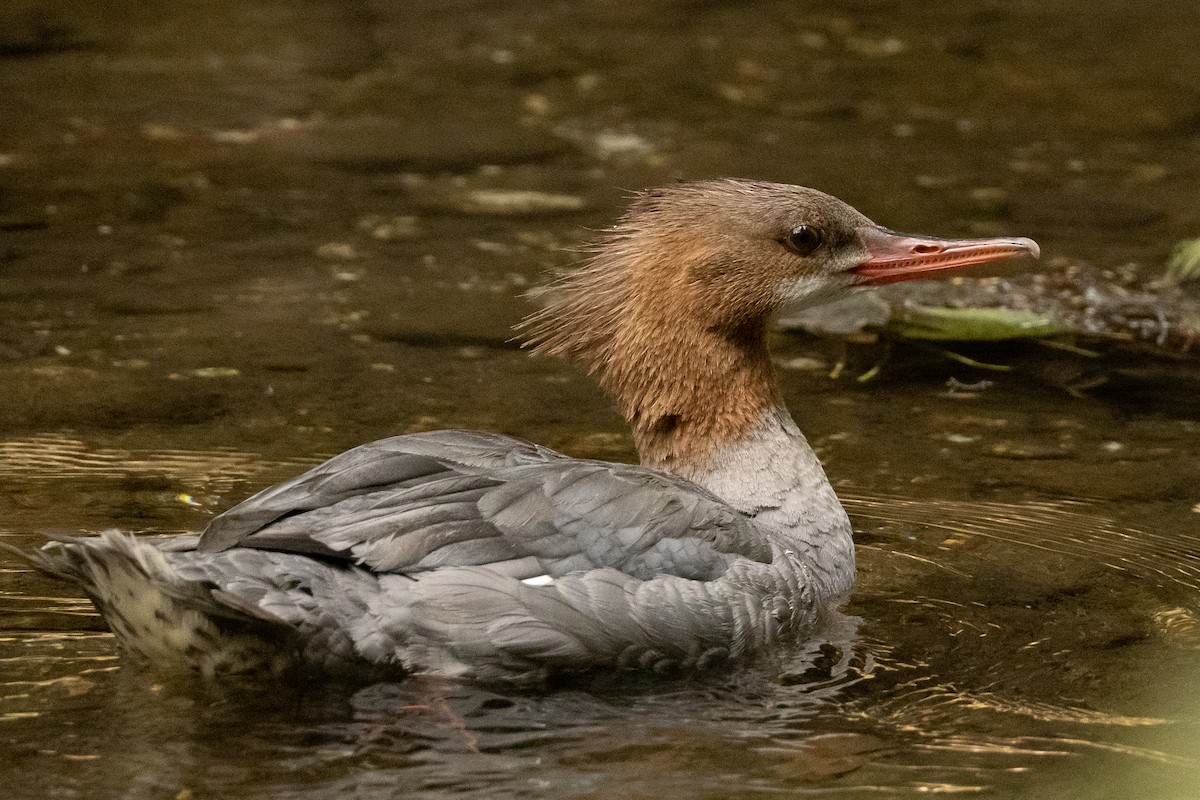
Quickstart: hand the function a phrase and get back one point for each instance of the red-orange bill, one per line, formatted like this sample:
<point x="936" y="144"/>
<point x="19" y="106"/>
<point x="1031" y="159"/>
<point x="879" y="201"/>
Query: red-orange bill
<point x="898" y="257"/>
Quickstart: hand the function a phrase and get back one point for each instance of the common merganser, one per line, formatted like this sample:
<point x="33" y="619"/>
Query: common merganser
<point x="481" y="556"/>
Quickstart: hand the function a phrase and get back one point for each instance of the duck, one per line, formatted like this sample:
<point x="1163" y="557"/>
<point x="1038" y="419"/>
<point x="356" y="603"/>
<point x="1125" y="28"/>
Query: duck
<point x="480" y="556"/>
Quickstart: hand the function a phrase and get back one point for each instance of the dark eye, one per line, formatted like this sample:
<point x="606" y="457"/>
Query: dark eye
<point x="803" y="240"/>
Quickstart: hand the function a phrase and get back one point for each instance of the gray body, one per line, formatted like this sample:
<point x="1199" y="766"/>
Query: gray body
<point x="482" y="556"/>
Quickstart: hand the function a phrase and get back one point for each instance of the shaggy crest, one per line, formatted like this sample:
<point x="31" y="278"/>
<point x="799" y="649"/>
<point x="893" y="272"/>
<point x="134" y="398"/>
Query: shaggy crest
<point x="636" y="316"/>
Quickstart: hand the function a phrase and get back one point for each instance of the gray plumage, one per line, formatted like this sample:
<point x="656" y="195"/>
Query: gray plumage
<point x="486" y="499"/>
<point x="412" y="551"/>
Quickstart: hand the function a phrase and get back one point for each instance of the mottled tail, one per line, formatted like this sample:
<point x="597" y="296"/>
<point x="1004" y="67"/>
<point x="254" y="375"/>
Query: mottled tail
<point x="157" y="614"/>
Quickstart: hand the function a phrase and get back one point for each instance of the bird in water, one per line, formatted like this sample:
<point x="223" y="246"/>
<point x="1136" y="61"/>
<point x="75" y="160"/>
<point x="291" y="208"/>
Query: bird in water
<point x="482" y="556"/>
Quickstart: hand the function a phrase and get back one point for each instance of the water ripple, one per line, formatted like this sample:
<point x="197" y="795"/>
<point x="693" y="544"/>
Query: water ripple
<point x="1067" y="527"/>
<point x="50" y="457"/>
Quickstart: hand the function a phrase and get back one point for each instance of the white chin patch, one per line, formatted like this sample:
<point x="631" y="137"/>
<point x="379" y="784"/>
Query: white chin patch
<point x="811" y="291"/>
<point x="539" y="580"/>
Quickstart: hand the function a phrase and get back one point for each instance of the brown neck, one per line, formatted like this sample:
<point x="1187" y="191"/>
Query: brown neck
<point x="707" y="389"/>
<point x="688" y="378"/>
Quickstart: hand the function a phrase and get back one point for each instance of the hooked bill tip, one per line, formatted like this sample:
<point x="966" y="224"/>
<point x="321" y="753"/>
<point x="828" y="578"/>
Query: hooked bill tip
<point x="1030" y="245"/>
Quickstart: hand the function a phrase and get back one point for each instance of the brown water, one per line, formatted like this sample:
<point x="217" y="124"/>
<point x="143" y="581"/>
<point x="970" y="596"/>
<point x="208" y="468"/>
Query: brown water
<point x="236" y="237"/>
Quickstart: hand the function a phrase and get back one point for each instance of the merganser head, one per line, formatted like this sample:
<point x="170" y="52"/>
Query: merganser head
<point x="730" y="253"/>
<point x="745" y="248"/>
<point x="671" y="312"/>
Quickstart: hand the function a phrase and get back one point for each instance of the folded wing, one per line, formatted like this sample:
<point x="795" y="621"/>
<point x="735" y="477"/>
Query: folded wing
<point x="414" y="503"/>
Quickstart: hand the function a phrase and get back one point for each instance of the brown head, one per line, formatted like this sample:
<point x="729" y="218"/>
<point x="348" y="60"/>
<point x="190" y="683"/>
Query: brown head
<point x="670" y="315"/>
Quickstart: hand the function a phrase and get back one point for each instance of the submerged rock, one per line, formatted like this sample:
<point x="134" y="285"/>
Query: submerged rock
<point x="1079" y="301"/>
<point x="1098" y="324"/>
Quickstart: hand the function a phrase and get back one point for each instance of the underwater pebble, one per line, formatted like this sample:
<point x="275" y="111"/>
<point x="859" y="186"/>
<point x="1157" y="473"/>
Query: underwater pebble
<point x="814" y="40"/>
<point x="1029" y="451"/>
<point x="587" y="82"/>
<point x="1147" y="173"/>
<point x="498" y="248"/>
<point x="337" y="251"/>
<point x="387" y="228"/>
<point x="159" y="132"/>
<point x="609" y="143"/>
<point x="935" y="181"/>
<point x="234" y="137"/>
<point x="537" y="104"/>
<point x="516" y="202"/>
<point x="990" y="200"/>
<point x="804" y="363"/>
<point x="876" y="48"/>
<point x="471" y="352"/>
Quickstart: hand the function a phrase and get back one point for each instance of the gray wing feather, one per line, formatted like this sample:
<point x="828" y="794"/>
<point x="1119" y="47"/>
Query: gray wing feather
<point x="414" y="503"/>
<point x="394" y="463"/>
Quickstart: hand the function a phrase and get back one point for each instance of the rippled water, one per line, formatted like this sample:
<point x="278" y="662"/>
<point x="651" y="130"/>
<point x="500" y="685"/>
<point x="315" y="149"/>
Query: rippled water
<point x="995" y="646"/>
<point x="236" y="238"/>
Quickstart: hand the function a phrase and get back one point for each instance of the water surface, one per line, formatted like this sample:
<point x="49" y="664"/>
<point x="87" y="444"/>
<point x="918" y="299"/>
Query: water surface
<point x="236" y="238"/>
